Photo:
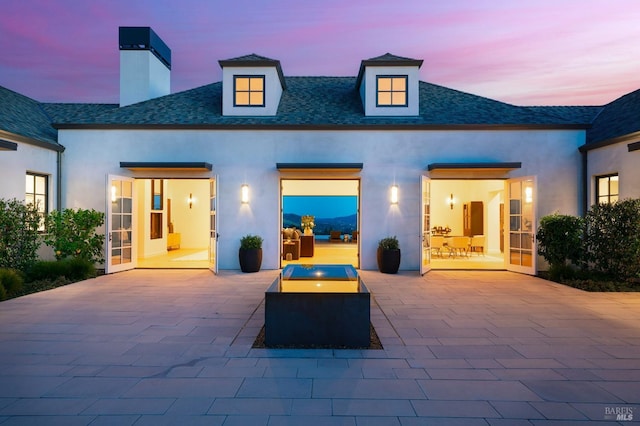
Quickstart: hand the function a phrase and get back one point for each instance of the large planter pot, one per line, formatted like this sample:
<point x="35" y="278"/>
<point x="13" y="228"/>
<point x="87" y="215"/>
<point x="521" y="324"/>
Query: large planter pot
<point x="250" y="259"/>
<point x="388" y="260"/>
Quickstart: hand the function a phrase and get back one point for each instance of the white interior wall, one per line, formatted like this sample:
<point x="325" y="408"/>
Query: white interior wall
<point x="191" y="223"/>
<point x="492" y="219"/>
<point x="140" y="215"/>
<point x="319" y="187"/>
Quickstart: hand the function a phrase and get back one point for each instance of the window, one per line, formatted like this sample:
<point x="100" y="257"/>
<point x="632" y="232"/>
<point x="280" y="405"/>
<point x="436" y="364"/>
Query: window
<point x="157" y="197"/>
<point x="392" y="91"/>
<point x="607" y="188"/>
<point x="37" y="193"/>
<point x="156" y="194"/>
<point x="248" y="91"/>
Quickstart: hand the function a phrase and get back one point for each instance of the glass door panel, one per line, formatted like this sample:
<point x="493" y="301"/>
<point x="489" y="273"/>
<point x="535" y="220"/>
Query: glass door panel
<point x="520" y="242"/>
<point x="213" y="225"/>
<point x="119" y="224"/>
<point x="425" y="226"/>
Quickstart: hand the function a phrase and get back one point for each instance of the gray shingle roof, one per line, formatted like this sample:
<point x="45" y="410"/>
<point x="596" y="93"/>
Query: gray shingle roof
<point x="24" y="116"/>
<point x="573" y="114"/>
<point x="618" y="118"/>
<point x="76" y="112"/>
<point x="252" y="57"/>
<point x="322" y="102"/>
<point x="388" y="57"/>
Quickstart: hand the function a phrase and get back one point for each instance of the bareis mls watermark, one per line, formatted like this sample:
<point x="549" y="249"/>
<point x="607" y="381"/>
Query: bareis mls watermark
<point x="618" y="413"/>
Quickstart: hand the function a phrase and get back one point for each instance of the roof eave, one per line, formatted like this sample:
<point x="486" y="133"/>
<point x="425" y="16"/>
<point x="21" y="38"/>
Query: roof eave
<point x="630" y="137"/>
<point x="8" y="145"/>
<point x="31" y="141"/>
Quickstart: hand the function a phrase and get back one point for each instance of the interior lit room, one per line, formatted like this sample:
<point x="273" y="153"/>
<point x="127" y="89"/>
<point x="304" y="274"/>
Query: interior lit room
<point x="173" y="223"/>
<point x="471" y="214"/>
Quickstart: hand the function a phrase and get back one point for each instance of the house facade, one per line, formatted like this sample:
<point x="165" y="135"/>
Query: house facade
<point x="173" y="170"/>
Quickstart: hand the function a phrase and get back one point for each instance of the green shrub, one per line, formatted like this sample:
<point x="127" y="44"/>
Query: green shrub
<point x="250" y="242"/>
<point x="389" y="243"/>
<point x="74" y="269"/>
<point x="43" y="285"/>
<point x="560" y="239"/>
<point x="11" y="280"/>
<point x="72" y="233"/>
<point x="612" y="239"/>
<point x="19" y="238"/>
<point x="3" y="293"/>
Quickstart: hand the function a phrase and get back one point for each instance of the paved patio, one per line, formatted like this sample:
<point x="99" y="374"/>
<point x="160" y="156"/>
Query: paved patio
<point x="460" y="348"/>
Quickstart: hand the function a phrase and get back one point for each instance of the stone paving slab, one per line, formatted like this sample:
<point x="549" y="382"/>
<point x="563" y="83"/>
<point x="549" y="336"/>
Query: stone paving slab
<point x="460" y="348"/>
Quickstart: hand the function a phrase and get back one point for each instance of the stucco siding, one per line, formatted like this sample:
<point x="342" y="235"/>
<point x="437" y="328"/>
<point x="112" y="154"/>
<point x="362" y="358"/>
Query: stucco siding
<point x="14" y="165"/>
<point x="615" y="159"/>
<point x="250" y="157"/>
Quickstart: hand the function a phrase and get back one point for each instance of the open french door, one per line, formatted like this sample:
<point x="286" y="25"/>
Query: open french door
<point x="119" y="224"/>
<point x="213" y="225"/>
<point x="425" y="225"/>
<point x="520" y="238"/>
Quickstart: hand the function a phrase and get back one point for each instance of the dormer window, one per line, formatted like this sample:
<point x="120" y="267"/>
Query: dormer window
<point x="389" y="86"/>
<point x="252" y="86"/>
<point x="248" y="91"/>
<point x="392" y="90"/>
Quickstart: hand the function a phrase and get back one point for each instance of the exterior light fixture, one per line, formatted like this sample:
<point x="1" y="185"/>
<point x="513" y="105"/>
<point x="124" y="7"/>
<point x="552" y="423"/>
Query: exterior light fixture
<point x="394" y="194"/>
<point x="244" y="197"/>
<point x="114" y="192"/>
<point x="528" y="194"/>
<point x="190" y="200"/>
<point x="451" y="201"/>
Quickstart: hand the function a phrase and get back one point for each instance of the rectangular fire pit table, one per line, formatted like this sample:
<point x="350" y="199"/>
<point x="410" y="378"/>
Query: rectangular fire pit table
<point x="318" y="305"/>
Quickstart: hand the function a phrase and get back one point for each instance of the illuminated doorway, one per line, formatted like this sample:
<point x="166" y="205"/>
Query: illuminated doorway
<point x="173" y="220"/>
<point x="335" y="207"/>
<point x="467" y="224"/>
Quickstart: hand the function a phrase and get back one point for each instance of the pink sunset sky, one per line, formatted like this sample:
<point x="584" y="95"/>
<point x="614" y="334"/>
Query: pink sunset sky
<point x="525" y="52"/>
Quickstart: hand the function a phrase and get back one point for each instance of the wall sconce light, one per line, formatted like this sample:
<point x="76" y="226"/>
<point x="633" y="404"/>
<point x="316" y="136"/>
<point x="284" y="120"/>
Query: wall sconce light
<point x="244" y="197"/>
<point x="528" y="194"/>
<point x="190" y="200"/>
<point x="394" y="194"/>
<point x="114" y="196"/>
<point x="451" y="201"/>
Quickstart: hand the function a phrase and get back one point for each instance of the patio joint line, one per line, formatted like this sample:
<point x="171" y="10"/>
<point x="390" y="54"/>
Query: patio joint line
<point x="246" y="322"/>
<point x="375" y="300"/>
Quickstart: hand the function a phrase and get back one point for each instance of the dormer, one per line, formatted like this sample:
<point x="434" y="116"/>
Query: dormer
<point x="252" y="85"/>
<point x="389" y="86"/>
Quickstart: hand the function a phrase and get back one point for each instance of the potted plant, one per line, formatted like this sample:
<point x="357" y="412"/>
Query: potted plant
<point x="250" y="254"/>
<point x="388" y="255"/>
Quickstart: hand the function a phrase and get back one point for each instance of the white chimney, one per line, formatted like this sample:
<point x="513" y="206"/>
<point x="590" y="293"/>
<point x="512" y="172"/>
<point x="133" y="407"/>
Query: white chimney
<point x="145" y="65"/>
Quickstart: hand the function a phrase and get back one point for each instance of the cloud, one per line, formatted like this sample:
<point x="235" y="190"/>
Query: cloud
<point x="539" y="50"/>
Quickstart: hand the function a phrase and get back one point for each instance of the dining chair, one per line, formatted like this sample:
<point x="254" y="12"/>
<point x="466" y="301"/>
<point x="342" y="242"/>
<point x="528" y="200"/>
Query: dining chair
<point x="437" y="243"/>
<point x="477" y="244"/>
<point x="459" y="246"/>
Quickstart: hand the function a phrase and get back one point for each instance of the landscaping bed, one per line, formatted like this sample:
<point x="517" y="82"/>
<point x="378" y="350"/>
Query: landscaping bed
<point x="594" y="284"/>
